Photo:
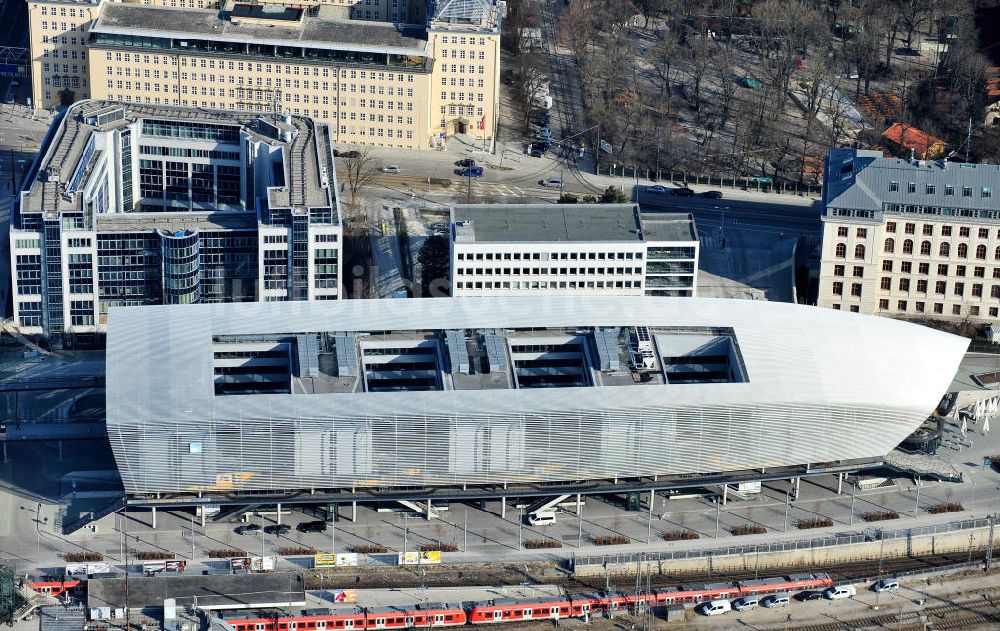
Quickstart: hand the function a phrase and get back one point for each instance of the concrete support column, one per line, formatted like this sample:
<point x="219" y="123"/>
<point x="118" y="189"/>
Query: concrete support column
<point x="503" y="508"/>
<point x="797" y="483"/>
<point x="154" y="518"/>
<point x="652" y="499"/>
<point x="279" y="514"/>
<point x="430" y="510"/>
<point x="354" y="512"/>
<point x="203" y="517"/>
<point x="840" y="483"/>
<point x="725" y="494"/>
<point x="579" y="505"/>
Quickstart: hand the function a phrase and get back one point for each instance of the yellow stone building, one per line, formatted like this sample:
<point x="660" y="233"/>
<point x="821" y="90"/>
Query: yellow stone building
<point x="380" y="72"/>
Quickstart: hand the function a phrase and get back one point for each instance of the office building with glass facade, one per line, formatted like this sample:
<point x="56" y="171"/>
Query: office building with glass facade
<point x="136" y="205"/>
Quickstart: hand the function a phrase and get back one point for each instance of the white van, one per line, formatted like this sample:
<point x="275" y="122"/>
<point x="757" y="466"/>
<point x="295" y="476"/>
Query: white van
<point x="716" y="607"/>
<point x="840" y="591"/>
<point x="544" y="518"/>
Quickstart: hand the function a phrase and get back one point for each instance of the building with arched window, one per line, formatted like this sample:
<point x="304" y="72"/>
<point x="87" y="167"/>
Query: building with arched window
<point x="945" y="216"/>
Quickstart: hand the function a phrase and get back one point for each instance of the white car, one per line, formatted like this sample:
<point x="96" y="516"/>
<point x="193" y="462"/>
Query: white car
<point x="391" y="168"/>
<point x="656" y="189"/>
<point x="544" y="518"/>
<point x="838" y="592"/>
<point x="775" y="600"/>
<point x="715" y="607"/>
<point x="745" y="604"/>
<point x="886" y="585"/>
<point x="552" y="182"/>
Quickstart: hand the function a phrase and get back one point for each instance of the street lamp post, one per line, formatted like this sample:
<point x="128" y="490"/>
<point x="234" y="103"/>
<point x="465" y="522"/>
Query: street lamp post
<point x="520" y="527"/>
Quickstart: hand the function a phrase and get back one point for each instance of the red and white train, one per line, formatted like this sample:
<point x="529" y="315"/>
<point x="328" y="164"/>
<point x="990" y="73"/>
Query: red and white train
<point x="56" y="586"/>
<point x="513" y="610"/>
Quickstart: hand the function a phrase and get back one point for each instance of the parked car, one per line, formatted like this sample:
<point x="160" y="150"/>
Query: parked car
<point x="837" y="592"/>
<point x="471" y="172"/>
<point x="682" y="192"/>
<point x="746" y="604"/>
<point x="712" y="194"/>
<point x="277" y="529"/>
<point x="466" y="162"/>
<point x="552" y="182"/>
<point x="537" y="152"/>
<point x="886" y="585"/>
<point x="247" y="529"/>
<point x="312" y="526"/>
<point x="543" y="518"/>
<point x="656" y="189"/>
<point x="775" y="600"/>
<point x="808" y="595"/>
<point x="715" y="607"/>
<point x="390" y="168"/>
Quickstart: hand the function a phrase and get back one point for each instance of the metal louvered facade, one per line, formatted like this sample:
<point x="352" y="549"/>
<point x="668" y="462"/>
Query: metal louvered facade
<point x="819" y="386"/>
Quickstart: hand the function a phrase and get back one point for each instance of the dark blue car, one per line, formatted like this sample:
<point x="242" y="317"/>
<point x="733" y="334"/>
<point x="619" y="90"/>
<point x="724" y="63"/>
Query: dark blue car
<point x="471" y="172"/>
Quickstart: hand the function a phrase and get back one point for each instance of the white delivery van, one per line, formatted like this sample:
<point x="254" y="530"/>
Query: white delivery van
<point x="840" y="591"/>
<point x="716" y="607"/>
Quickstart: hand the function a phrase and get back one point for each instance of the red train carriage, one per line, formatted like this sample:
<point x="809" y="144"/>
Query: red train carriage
<point x="514" y="610"/>
<point x="57" y="587"/>
<point x="781" y="584"/>
<point x="431" y="615"/>
<point x="696" y="593"/>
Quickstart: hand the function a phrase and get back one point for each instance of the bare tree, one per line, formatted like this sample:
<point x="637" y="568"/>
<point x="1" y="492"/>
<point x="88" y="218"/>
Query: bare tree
<point x="529" y="82"/>
<point x="361" y="167"/>
<point x="912" y="14"/>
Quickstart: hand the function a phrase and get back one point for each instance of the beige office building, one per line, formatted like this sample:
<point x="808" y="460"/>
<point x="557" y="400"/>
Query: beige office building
<point x="381" y="74"/>
<point x="910" y="238"/>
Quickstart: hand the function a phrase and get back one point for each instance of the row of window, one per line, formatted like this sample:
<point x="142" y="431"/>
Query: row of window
<point x="930" y="188"/>
<point x="927" y="230"/>
<point x="460" y="54"/>
<point x="940" y="287"/>
<point x="546" y="256"/>
<point x="537" y="271"/>
<point x="944" y="249"/>
<point x="543" y="284"/>
<point x="455" y="39"/>
<point x="63" y="11"/>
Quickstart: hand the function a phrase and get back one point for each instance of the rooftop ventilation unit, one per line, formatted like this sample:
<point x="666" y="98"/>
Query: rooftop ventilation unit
<point x="496" y="353"/>
<point x="643" y="356"/>
<point x="307" y="353"/>
<point x="458" y="353"/>
<point x="606" y="341"/>
<point x="347" y="355"/>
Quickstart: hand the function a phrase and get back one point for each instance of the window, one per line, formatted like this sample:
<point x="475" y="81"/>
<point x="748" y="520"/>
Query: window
<point x="966" y="191"/>
<point x="841" y="251"/>
<point x="938" y="307"/>
<point x="922" y="286"/>
<point x="893" y="187"/>
<point x="974" y="311"/>
<point x="855" y="309"/>
<point x="883" y="304"/>
<point x="956" y="309"/>
<point x="994" y="312"/>
<point x="855" y="289"/>
<point x="887" y="266"/>
<point x="928" y="230"/>
<point x="940" y="287"/>
<point x="890" y="227"/>
<point x="987" y="191"/>
<point x="944" y="249"/>
<point x="963" y="232"/>
<point x="862" y="233"/>
<point x="925" y="248"/>
<point x="838" y="270"/>
<point x="949" y="189"/>
<point x="929" y="189"/>
<point x="859" y="271"/>
<point x="977" y="290"/>
<point x="906" y="267"/>
<point x="911" y="187"/>
<point x="945" y="231"/>
<point x="838" y="288"/>
<point x="890" y="245"/>
<point x="901" y="305"/>
<point x="963" y="251"/>
<point x="959" y="289"/>
<point x="979" y="272"/>
<point x="908" y="246"/>
<point x="942" y="270"/>
<point x="984" y="233"/>
<point x="919" y="307"/>
<point x="981" y="252"/>
<point x="904" y="284"/>
<point x="886" y="283"/>
<point x="911" y="228"/>
<point x="842" y="231"/>
<point x="859" y="251"/>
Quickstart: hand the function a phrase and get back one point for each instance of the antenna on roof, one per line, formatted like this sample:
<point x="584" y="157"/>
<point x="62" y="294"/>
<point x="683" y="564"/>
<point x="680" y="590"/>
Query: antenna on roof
<point x="968" y="140"/>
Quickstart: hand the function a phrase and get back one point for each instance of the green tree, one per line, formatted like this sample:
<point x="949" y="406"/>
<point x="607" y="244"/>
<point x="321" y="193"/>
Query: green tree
<point x="614" y="195"/>
<point x="435" y="261"/>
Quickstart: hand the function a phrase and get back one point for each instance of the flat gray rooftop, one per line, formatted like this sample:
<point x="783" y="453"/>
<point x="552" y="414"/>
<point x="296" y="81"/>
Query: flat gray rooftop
<point x="525" y="223"/>
<point x="669" y="227"/>
<point x="133" y="19"/>
<point x="221" y="591"/>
